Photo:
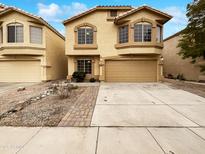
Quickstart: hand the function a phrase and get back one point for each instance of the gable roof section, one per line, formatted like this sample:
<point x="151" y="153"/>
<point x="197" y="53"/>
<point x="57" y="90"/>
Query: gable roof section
<point x="38" y="18"/>
<point x="123" y="15"/>
<point x="100" y="7"/>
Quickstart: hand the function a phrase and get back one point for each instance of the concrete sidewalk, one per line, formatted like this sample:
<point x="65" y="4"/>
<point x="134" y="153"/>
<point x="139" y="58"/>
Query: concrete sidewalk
<point x="102" y="140"/>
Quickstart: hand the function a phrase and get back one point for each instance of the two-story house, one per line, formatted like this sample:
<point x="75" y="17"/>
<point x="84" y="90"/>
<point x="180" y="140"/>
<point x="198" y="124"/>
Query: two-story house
<point x="31" y="50"/>
<point x="116" y="43"/>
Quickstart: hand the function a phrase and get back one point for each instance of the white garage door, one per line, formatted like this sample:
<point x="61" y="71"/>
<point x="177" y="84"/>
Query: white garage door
<point x="20" y="71"/>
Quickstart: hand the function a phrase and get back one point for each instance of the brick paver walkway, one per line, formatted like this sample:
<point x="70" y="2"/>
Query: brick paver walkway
<point x="80" y="114"/>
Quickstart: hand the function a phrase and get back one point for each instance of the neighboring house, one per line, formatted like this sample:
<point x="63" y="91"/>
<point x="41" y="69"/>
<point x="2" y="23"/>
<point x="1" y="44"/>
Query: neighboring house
<point x="31" y="50"/>
<point x="116" y="43"/>
<point x="174" y="64"/>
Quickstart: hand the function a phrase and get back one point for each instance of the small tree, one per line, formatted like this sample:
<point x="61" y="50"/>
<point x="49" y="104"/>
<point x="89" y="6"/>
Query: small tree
<point x="192" y="43"/>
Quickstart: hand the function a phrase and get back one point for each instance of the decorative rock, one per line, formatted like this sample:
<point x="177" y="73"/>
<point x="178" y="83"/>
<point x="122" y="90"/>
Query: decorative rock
<point x="42" y="96"/>
<point x="21" y="89"/>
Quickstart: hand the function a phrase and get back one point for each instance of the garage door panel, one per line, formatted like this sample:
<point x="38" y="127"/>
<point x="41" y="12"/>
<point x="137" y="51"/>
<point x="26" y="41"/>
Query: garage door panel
<point x="131" y="71"/>
<point x="20" y="71"/>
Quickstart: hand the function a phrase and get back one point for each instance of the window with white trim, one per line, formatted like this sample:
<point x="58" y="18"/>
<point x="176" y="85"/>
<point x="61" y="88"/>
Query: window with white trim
<point x="142" y="32"/>
<point x="159" y="34"/>
<point x="84" y="65"/>
<point x="85" y="35"/>
<point x="123" y="34"/>
<point x="35" y="35"/>
<point x="15" y="33"/>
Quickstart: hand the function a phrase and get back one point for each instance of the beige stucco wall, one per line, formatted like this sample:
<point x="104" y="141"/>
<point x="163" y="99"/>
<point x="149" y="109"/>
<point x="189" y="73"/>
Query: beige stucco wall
<point x="174" y="64"/>
<point x="53" y="62"/>
<point x="56" y="61"/>
<point x="107" y="35"/>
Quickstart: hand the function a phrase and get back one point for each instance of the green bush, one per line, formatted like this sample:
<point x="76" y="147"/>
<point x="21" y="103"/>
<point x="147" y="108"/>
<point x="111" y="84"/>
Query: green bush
<point x="180" y="77"/>
<point x="92" y="80"/>
<point x="79" y="76"/>
<point x="170" y="76"/>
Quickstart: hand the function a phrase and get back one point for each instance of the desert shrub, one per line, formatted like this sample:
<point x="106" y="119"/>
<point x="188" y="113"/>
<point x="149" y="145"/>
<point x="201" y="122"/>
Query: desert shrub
<point x="79" y="76"/>
<point x="65" y="90"/>
<point x="92" y="80"/>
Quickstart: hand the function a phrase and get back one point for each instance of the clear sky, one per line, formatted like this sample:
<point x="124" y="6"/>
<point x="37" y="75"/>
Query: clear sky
<point x="55" y="11"/>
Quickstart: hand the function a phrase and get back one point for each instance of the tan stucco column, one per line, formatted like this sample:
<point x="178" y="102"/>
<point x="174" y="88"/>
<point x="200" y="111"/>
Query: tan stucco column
<point x="160" y="69"/>
<point x="102" y="69"/>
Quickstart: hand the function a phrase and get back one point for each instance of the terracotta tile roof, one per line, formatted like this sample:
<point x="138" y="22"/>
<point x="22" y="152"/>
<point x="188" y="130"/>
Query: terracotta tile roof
<point x="41" y="20"/>
<point x="115" y="6"/>
<point x="122" y="15"/>
<point x="99" y="7"/>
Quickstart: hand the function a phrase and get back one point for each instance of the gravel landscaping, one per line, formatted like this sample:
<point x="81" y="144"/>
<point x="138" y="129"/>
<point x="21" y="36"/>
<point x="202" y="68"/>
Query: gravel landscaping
<point x="195" y="88"/>
<point x="32" y="107"/>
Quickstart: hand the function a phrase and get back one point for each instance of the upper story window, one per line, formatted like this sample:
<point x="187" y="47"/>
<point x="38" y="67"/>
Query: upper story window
<point x="36" y="35"/>
<point x="15" y="33"/>
<point x="123" y="34"/>
<point x="113" y="13"/>
<point x="159" y="34"/>
<point x="85" y="35"/>
<point x="142" y="32"/>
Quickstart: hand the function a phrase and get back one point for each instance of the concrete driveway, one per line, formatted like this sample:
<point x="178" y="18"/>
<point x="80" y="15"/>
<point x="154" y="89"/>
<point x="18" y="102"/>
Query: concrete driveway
<point x="147" y="105"/>
<point x="5" y="86"/>
<point x="166" y="120"/>
<point x="128" y="119"/>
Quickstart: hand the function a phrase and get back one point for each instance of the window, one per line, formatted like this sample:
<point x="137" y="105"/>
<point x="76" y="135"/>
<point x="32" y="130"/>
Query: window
<point x="1" y="35"/>
<point x="142" y="32"/>
<point x="15" y="33"/>
<point x="138" y="33"/>
<point x="85" y="35"/>
<point x="113" y="13"/>
<point x="159" y="34"/>
<point x="123" y="34"/>
<point x="84" y="65"/>
<point x="35" y="35"/>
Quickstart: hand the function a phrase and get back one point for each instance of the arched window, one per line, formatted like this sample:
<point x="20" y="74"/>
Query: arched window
<point x="142" y="32"/>
<point x="85" y="35"/>
<point x="15" y="32"/>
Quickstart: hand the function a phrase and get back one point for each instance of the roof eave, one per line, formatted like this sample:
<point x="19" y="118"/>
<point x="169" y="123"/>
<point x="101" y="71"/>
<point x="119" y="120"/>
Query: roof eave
<point x="94" y="9"/>
<point x="172" y="36"/>
<point x="35" y="17"/>
<point x="144" y="7"/>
